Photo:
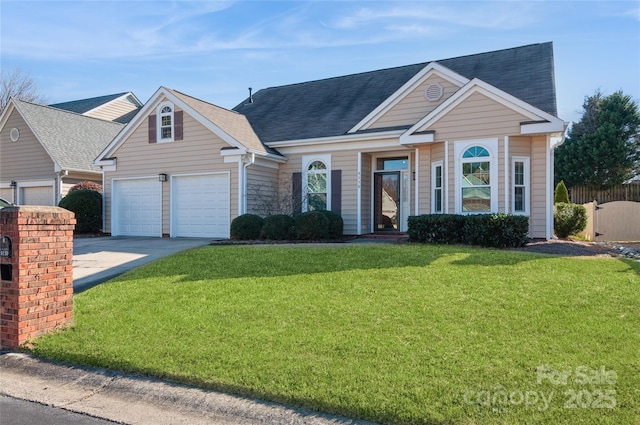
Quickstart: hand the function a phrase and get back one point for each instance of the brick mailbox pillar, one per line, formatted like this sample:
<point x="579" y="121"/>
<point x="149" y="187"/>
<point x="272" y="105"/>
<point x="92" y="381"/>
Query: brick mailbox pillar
<point x="36" y="261"/>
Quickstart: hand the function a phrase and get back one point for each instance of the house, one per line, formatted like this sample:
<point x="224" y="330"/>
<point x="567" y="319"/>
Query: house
<point x="466" y="135"/>
<point x="119" y="107"/>
<point x="44" y="151"/>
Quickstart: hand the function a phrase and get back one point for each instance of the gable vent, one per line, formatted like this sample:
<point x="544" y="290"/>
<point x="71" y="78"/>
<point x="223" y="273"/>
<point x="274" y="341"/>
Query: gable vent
<point x="434" y="92"/>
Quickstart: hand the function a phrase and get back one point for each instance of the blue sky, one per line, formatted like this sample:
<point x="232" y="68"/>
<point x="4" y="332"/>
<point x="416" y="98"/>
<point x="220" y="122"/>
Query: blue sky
<point x="216" y="50"/>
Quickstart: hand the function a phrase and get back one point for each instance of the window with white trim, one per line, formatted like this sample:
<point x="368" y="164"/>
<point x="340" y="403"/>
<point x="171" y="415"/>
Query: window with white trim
<point x="316" y="183"/>
<point x="520" y="167"/>
<point x="437" y="180"/>
<point x="165" y="122"/>
<point x="476" y="176"/>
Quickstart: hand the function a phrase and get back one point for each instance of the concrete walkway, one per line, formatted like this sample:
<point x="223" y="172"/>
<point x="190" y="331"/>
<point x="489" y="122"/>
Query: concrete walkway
<point x="96" y="260"/>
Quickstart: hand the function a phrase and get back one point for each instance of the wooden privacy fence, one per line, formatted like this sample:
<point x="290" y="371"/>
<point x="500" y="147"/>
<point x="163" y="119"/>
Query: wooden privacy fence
<point x="604" y="194"/>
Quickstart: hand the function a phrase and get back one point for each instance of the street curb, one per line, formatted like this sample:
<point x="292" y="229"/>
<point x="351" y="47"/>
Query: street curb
<point x="134" y="399"/>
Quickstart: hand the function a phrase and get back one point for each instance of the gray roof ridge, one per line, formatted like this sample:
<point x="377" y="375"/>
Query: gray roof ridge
<point x="203" y="101"/>
<point x="112" y="96"/>
<point x="66" y="111"/>
<point x="404" y="66"/>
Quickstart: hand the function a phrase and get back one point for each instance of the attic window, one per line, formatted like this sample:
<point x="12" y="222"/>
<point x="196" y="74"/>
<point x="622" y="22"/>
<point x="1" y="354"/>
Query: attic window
<point x="434" y="92"/>
<point x="165" y="122"/>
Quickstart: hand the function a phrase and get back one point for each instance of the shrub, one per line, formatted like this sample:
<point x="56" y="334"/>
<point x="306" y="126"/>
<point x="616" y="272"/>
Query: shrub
<point x="246" y="227"/>
<point x="277" y="227"/>
<point x="496" y="230"/>
<point x="491" y="230"/>
<point x="561" y="194"/>
<point x="87" y="185"/>
<point x="436" y="228"/>
<point x="336" y="224"/>
<point x="569" y="219"/>
<point x="312" y="225"/>
<point x="87" y="206"/>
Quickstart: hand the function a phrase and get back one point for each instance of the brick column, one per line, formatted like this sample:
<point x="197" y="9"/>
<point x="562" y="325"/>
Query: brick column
<point x="37" y="279"/>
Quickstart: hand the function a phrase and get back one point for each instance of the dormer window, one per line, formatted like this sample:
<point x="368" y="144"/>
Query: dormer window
<point x="165" y="122"/>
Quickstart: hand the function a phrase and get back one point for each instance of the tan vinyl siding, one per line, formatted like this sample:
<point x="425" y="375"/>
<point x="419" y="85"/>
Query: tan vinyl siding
<point x="7" y="194"/>
<point x="199" y="152"/>
<point x="26" y="159"/>
<point x="112" y="110"/>
<point x="538" y="218"/>
<point x="475" y="118"/>
<point x="348" y="163"/>
<point x="262" y="197"/>
<point x="426" y="156"/>
<point x="414" y="106"/>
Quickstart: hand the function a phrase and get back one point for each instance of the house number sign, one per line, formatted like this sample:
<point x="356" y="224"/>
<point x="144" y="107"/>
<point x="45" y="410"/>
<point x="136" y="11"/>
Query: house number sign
<point x="5" y="246"/>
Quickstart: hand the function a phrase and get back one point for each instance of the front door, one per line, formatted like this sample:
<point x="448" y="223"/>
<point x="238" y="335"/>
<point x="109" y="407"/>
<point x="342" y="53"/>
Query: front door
<point x="386" y="200"/>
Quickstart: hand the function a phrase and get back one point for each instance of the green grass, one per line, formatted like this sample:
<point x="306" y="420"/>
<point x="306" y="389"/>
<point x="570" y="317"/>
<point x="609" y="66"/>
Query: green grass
<point x="392" y="333"/>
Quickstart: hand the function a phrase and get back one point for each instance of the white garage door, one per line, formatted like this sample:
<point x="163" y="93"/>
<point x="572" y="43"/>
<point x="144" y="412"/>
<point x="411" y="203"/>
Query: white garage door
<point x="36" y="195"/>
<point x="137" y="208"/>
<point x="200" y="206"/>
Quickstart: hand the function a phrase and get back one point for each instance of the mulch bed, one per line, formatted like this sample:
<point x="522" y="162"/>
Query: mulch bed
<point x="571" y="248"/>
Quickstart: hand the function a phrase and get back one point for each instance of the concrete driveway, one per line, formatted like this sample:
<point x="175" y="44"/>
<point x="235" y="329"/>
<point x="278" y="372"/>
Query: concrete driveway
<point x="96" y="260"/>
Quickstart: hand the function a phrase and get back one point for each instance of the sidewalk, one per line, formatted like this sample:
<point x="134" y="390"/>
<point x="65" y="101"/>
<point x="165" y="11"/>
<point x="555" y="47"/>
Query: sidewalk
<point x="132" y="399"/>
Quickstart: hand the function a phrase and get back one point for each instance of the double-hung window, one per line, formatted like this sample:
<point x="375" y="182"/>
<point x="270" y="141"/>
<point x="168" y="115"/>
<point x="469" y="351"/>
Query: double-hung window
<point x="520" y="167"/>
<point x="437" y="183"/>
<point x="165" y="117"/>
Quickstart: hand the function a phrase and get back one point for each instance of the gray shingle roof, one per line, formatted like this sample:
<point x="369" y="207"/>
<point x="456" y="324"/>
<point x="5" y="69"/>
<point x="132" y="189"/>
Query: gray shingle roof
<point x="84" y="105"/>
<point x="72" y="140"/>
<point x="332" y="106"/>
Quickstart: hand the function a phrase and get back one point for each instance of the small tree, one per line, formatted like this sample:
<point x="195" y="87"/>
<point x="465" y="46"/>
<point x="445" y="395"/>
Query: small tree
<point x="561" y="193"/>
<point x="604" y="147"/>
<point x="20" y="85"/>
<point x="87" y="206"/>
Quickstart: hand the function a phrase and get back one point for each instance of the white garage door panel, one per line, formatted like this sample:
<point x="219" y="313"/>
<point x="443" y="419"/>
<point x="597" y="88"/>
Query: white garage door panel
<point x="137" y="207"/>
<point x="37" y="195"/>
<point x="201" y="206"/>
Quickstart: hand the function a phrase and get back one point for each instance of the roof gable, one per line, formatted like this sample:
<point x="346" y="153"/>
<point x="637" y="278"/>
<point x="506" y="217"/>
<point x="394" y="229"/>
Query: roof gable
<point x="334" y="106"/>
<point x="230" y="126"/>
<point x="422" y="131"/>
<point x="71" y="140"/>
<point x="114" y="107"/>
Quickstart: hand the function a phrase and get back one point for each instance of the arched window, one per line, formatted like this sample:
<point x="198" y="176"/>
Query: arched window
<point x="476" y="180"/>
<point x="165" y="122"/>
<point x="316" y="188"/>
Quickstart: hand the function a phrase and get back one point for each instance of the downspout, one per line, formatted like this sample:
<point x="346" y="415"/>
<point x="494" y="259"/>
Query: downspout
<point x="59" y="176"/>
<point x="251" y="161"/>
<point x="551" y="172"/>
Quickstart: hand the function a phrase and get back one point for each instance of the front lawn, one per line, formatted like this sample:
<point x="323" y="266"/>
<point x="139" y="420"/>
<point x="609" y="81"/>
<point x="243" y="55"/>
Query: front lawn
<point x="391" y="333"/>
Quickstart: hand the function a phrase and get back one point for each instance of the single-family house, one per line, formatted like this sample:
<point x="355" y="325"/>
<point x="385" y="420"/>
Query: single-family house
<point x="466" y="135"/>
<point x="44" y="151"/>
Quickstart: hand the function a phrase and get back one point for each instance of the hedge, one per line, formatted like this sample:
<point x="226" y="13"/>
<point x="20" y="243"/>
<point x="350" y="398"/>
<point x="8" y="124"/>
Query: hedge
<point x="311" y="225"/>
<point x="569" y="219"/>
<point x="489" y="230"/>
<point x="246" y="227"/>
<point x="277" y="227"/>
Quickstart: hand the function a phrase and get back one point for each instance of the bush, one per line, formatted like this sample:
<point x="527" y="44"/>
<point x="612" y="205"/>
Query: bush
<point x="277" y="227"/>
<point x="496" y="230"/>
<point x="436" y="228"/>
<point x="569" y="219"/>
<point x="87" y="185"/>
<point x="491" y="230"/>
<point x="87" y="206"/>
<point x="561" y="194"/>
<point x="246" y="227"/>
<point x="336" y="224"/>
<point x="312" y="225"/>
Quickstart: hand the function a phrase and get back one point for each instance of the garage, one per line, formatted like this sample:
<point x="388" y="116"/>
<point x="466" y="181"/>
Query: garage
<point x="137" y="207"/>
<point x="36" y="195"/>
<point x="200" y="205"/>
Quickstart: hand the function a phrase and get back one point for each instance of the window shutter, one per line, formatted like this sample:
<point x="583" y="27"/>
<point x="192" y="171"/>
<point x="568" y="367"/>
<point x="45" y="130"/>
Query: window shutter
<point x="336" y="191"/>
<point x="152" y="129"/>
<point x="177" y="125"/>
<point x="296" y="189"/>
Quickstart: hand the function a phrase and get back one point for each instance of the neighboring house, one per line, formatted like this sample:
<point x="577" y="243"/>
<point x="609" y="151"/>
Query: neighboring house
<point x="472" y="134"/>
<point x="44" y="151"/>
<point x="120" y="107"/>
